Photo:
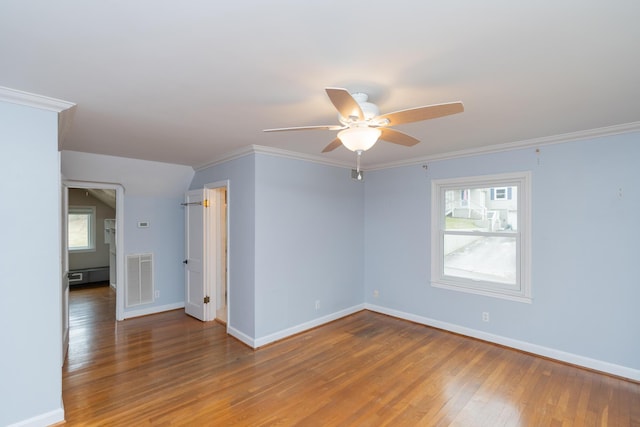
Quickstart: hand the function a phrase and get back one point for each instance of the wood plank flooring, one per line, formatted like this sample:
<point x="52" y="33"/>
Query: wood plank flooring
<point x="364" y="370"/>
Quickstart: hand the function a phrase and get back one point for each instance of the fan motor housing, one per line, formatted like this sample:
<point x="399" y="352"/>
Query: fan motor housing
<point x="369" y="109"/>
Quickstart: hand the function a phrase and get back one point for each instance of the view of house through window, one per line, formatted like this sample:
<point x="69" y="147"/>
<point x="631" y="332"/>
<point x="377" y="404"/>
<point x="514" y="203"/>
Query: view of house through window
<point x="476" y="256"/>
<point x="81" y="228"/>
<point x="481" y="246"/>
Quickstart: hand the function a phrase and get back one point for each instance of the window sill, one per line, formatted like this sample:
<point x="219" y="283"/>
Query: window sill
<point x="486" y="292"/>
<point x="76" y="251"/>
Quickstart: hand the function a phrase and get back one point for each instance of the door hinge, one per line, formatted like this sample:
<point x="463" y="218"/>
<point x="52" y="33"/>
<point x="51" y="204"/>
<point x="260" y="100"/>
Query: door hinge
<point x="206" y="300"/>
<point x="205" y="203"/>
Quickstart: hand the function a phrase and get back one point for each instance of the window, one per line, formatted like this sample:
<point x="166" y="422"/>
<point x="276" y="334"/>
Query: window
<point x="81" y="228"/>
<point x="503" y="193"/>
<point x="481" y="235"/>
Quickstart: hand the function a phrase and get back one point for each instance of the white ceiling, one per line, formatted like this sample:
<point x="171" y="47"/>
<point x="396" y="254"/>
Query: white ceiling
<point x="190" y="82"/>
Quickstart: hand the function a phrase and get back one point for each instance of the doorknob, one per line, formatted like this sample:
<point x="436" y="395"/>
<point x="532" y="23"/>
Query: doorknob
<point x="186" y="261"/>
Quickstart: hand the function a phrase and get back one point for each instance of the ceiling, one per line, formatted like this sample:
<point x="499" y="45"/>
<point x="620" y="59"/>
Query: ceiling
<point x="190" y="82"/>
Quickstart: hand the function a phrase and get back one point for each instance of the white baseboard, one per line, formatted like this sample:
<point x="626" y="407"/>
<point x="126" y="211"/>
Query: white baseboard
<point x="241" y="336"/>
<point x="574" y="359"/>
<point x="562" y="356"/>
<point x="153" y="310"/>
<point x="42" y="420"/>
<point x="259" y="342"/>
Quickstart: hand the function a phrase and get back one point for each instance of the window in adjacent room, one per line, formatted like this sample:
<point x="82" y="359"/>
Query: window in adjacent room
<point x="481" y="235"/>
<point x="81" y="228"/>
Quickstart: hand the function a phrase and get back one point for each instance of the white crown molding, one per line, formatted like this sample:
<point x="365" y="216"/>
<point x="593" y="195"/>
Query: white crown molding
<point x="66" y="110"/>
<point x="535" y="142"/>
<point x="528" y="143"/>
<point x="260" y="149"/>
<point x="232" y="155"/>
<point x="14" y="96"/>
<point x="278" y="152"/>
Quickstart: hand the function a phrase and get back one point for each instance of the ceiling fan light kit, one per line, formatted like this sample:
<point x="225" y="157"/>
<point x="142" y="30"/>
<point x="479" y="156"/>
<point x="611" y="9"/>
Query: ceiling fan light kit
<point x="359" y="138"/>
<point x="362" y="125"/>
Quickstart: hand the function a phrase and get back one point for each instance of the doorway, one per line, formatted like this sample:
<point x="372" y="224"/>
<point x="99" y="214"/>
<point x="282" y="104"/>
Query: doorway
<point x="108" y="236"/>
<point x="206" y="253"/>
<point x="91" y="229"/>
<point x="216" y="240"/>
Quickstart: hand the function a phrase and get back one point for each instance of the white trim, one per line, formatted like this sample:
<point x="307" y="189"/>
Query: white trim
<point x="84" y="210"/>
<point x="153" y="310"/>
<point x="232" y="155"/>
<point x="120" y="258"/>
<point x="480" y="291"/>
<point x="65" y="109"/>
<point x="495" y="148"/>
<point x="276" y="336"/>
<point x="14" y="96"/>
<point x="277" y="152"/>
<point x="522" y="180"/>
<point x="240" y="336"/>
<point x="212" y="186"/>
<point x="527" y="143"/>
<point x="551" y="353"/>
<point x="42" y="420"/>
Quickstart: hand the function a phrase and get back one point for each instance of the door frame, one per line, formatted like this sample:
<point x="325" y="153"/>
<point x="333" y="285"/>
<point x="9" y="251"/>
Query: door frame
<point x="119" y="189"/>
<point x="210" y="242"/>
<point x="64" y="266"/>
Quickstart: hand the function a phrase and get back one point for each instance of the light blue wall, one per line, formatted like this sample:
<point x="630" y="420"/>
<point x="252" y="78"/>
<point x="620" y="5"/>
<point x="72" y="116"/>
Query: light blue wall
<point x="584" y="248"/>
<point x="309" y="242"/>
<point x="153" y="192"/>
<point x="296" y="237"/>
<point x="241" y="205"/>
<point x="31" y="383"/>
<point x="164" y="238"/>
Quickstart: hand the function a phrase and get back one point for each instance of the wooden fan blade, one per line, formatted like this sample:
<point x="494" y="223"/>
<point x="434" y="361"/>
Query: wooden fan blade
<point x="397" y="137"/>
<point x="323" y="127"/>
<point x="422" y="113"/>
<point x="344" y="103"/>
<point x="332" y="145"/>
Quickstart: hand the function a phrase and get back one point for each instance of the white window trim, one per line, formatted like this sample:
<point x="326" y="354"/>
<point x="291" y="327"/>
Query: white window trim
<point x="91" y="210"/>
<point x="520" y="179"/>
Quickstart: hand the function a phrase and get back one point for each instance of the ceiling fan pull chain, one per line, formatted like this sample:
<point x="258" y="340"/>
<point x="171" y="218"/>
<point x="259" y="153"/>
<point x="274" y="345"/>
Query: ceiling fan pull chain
<point x="358" y="155"/>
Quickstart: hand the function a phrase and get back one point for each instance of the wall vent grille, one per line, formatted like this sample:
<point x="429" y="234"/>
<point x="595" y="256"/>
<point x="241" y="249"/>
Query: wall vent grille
<point x="139" y="279"/>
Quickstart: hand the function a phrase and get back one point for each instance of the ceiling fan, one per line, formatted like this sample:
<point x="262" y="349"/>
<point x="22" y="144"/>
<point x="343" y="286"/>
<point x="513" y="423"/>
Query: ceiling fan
<point x="361" y="124"/>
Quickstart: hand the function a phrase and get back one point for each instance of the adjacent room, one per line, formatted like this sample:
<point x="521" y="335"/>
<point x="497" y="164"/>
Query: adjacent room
<point x="320" y="213"/>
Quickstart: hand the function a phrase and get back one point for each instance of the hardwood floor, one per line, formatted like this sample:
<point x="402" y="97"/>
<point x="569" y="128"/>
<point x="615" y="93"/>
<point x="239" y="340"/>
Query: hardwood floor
<point x="364" y="370"/>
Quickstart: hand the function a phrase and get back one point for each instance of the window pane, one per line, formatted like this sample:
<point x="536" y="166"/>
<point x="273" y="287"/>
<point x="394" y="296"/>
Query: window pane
<point x="79" y="229"/>
<point x="482" y="244"/>
<point x="481" y="209"/>
<point x="480" y="258"/>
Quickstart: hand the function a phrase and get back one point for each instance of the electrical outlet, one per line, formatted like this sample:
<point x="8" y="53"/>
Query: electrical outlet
<point x="376" y="293"/>
<point x="485" y="316"/>
<point x="157" y="294"/>
<point x="317" y="304"/>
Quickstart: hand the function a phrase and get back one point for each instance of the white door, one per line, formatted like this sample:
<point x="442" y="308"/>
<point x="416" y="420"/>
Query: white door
<point x="64" y="268"/>
<point x="194" y="298"/>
